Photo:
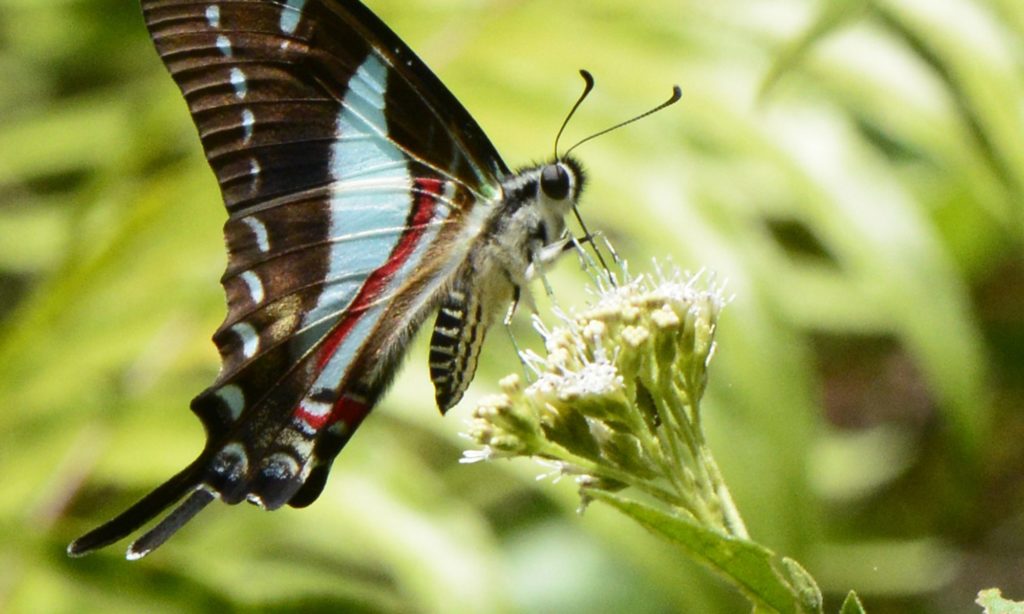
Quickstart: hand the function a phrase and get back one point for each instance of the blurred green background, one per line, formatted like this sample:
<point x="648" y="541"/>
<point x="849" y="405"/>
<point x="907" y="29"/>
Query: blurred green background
<point x="854" y="169"/>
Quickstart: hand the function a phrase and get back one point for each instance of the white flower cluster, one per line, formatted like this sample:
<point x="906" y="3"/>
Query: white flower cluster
<point x="615" y="399"/>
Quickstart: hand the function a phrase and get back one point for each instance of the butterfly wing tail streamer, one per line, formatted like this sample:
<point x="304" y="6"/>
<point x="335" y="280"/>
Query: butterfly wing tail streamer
<point x="167" y="527"/>
<point x="278" y="475"/>
<point x="147" y="508"/>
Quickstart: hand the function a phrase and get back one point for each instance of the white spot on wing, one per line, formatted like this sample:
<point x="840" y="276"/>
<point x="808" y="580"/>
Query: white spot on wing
<point x="254" y="172"/>
<point x="304" y="448"/>
<point x="448" y="193"/>
<point x="250" y="338"/>
<point x="303" y="427"/>
<point x="232" y="461"/>
<point x="317" y="409"/>
<point x="213" y="16"/>
<point x="248" y="120"/>
<point x="239" y="83"/>
<point x="252" y="280"/>
<point x="290" y="15"/>
<point x="234" y="398"/>
<point x="224" y="44"/>
<point x="280" y="466"/>
<point x="258" y="229"/>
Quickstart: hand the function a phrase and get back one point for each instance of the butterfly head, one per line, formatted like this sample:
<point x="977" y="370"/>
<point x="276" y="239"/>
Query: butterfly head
<point x="561" y="182"/>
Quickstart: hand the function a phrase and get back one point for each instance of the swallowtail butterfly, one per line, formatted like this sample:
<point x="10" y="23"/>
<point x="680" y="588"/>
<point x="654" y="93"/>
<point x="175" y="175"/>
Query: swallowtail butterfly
<point x="361" y="198"/>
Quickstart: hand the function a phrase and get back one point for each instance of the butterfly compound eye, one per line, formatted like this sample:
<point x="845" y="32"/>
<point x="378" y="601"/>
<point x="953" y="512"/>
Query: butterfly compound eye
<point x="554" y="180"/>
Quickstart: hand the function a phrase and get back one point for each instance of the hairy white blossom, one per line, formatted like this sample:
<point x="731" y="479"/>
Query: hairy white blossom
<point x="615" y="399"/>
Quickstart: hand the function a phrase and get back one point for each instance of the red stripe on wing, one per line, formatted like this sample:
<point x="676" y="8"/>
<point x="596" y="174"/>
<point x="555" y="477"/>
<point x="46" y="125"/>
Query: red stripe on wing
<point x="315" y="421"/>
<point x="350" y="413"/>
<point x="346" y="409"/>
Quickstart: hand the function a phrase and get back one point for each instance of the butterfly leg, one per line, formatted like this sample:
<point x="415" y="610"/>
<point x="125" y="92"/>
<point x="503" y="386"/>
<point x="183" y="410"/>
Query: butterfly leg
<point x="541" y="259"/>
<point x="587" y="262"/>
<point x="507" y="322"/>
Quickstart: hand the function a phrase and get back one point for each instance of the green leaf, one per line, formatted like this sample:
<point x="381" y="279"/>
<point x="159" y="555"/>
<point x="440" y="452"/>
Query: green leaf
<point x="831" y="17"/>
<point x="807" y="589"/>
<point x="852" y="604"/>
<point x="755" y="570"/>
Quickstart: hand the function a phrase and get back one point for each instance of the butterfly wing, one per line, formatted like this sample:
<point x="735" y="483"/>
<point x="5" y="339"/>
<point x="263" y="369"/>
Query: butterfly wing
<point x="354" y="183"/>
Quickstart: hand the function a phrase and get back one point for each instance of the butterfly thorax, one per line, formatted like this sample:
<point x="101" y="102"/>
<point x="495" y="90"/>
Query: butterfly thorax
<point x="532" y="217"/>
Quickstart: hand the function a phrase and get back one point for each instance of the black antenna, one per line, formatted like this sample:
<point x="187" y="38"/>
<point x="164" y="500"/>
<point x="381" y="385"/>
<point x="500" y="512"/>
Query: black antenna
<point x="677" y="93"/>
<point x="588" y="81"/>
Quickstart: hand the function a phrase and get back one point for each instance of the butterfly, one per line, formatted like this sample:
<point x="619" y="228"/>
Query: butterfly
<point x="362" y="198"/>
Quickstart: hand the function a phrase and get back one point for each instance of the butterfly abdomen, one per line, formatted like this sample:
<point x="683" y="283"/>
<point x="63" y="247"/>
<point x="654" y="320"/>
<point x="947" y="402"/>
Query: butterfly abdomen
<point x="455" y="346"/>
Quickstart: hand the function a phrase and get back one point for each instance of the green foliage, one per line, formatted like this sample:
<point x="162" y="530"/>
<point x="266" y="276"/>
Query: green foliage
<point x="852" y="605"/>
<point x="754" y="569"/>
<point x="853" y="168"/>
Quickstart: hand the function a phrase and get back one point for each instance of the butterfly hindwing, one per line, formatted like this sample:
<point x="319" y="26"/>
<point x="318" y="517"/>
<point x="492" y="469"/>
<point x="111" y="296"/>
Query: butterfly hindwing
<point x="289" y="100"/>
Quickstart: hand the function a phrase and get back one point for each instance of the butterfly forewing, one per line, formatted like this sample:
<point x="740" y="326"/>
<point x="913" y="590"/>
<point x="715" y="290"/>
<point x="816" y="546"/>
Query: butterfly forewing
<point x="289" y="100"/>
